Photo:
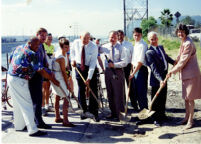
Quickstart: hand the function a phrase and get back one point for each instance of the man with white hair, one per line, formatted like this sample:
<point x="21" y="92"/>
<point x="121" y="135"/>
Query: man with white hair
<point x="157" y="60"/>
<point x="84" y="56"/>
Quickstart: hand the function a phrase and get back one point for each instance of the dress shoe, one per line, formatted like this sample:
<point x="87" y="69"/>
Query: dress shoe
<point x="163" y="117"/>
<point x="136" y="110"/>
<point x="24" y="129"/>
<point x="44" y="126"/>
<point x="89" y="115"/>
<point x="44" y="112"/>
<point x="116" y="119"/>
<point x="96" y="119"/>
<point x="144" y="121"/>
<point x="140" y="122"/>
<point x="68" y="124"/>
<point x="83" y="117"/>
<point x="157" y="123"/>
<point x="38" y="133"/>
<point x="111" y="117"/>
<point x="59" y="120"/>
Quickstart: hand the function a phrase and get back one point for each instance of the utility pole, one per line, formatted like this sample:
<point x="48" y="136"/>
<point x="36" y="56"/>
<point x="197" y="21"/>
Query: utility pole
<point x="124" y="4"/>
<point x="147" y="10"/>
<point x="74" y="30"/>
<point x="134" y="11"/>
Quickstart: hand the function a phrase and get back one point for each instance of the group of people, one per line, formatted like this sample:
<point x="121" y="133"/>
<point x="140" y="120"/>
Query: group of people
<point x="122" y="61"/>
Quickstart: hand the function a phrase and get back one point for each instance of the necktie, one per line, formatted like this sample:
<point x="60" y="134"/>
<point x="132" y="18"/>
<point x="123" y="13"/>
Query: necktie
<point x="159" y="53"/>
<point x="112" y="53"/>
<point x="161" y="57"/>
<point x="82" y="59"/>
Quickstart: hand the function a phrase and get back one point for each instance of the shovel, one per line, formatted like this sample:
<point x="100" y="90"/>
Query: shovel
<point x="99" y="105"/>
<point x="145" y="113"/>
<point x="114" y="76"/>
<point x="123" y="116"/>
<point x="68" y="99"/>
<point x="89" y="115"/>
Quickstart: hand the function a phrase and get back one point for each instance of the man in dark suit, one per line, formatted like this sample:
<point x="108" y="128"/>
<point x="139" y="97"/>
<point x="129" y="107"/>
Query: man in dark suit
<point x="157" y="60"/>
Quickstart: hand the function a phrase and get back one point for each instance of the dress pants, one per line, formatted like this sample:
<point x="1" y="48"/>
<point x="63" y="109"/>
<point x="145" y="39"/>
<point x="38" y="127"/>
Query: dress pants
<point x="35" y="87"/>
<point x="22" y="104"/>
<point x="139" y="83"/>
<point x="127" y="70"/>
<point x="115" y="90"/>
<point x="93" y="105"/>
<point x="159" y="104"/>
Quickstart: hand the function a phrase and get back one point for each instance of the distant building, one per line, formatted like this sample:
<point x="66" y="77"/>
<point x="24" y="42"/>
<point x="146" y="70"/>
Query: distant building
<point x="13" y="39"/>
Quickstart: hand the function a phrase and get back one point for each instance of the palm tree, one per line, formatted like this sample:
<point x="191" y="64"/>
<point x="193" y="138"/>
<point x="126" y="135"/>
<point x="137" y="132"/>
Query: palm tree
<point x="166" y="18"/>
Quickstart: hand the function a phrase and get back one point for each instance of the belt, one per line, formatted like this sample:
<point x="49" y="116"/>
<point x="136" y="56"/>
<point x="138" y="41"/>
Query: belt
<point x="56" y="71"/>
<point x="78" y="65"/>
<point x="116" y="68"/>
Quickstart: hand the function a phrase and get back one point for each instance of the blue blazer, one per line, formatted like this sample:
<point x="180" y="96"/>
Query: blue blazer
<point x="157" y="66"/>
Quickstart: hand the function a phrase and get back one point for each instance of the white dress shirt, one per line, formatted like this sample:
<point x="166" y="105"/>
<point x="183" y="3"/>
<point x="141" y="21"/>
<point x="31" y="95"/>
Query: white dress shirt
<point x="139" y="51"/>
<point x="119" y="55"/>
<point x="91" y="53"/>
<point x="128" y="47"/>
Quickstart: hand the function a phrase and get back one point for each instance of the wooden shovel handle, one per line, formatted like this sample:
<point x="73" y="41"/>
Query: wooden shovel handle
<point x="88" y="87"/>
<point x="70" y="104"/>
<point x="128" y="96"/>
<point x="157" y="93"/>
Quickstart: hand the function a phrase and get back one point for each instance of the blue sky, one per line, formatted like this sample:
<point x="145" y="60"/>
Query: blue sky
<point x="96" y="16"/>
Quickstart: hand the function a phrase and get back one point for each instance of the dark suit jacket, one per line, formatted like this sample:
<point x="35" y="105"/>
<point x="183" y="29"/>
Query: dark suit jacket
<point x="157" y="66"/>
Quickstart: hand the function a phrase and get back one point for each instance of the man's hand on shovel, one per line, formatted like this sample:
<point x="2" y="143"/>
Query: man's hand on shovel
<point x="73" y="63"/>
<point x="131" y="76"/>
<point x="87" y="82"/>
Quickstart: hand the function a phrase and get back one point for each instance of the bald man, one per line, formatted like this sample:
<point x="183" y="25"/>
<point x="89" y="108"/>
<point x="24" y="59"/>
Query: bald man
<point x="84" y="56"/>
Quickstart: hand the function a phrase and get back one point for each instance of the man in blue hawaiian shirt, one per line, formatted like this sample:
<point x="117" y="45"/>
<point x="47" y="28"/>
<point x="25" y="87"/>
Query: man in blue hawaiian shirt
<point x="35" y="83"/>
<point x="24" y="64"/>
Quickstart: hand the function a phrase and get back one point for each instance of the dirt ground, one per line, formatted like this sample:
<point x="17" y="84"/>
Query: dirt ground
<point x="88" y="131"/>
<point x="168" y="133"/>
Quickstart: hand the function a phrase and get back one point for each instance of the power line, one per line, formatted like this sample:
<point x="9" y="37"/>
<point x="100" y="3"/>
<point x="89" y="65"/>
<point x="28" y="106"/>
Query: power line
<point x="134" y="10"/>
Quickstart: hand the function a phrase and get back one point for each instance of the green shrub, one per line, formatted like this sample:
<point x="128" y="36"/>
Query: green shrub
<point x="169" y="43"/>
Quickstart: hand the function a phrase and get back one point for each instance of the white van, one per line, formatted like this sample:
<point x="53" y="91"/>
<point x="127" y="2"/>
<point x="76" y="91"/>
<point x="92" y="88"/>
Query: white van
<point x="195" y="33"/>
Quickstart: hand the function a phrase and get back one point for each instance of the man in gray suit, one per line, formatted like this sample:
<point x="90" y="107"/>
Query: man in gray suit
<point x="114" y="74"/>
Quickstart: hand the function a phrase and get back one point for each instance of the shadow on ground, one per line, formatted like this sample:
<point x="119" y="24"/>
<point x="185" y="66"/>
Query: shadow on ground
<point x="173" y="135"/>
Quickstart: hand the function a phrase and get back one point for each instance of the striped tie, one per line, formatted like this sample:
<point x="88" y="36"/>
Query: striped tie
<point x="82" y="59"/>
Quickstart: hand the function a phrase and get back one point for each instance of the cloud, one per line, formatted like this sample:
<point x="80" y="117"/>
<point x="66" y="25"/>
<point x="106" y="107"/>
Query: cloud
<point x="28" y="2"/>
<point x="14" y="6"/>
<point x="22" y="18"/>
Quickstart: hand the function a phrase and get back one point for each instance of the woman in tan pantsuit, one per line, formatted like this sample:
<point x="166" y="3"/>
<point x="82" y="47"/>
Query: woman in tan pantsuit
<point x="188" y="67"/>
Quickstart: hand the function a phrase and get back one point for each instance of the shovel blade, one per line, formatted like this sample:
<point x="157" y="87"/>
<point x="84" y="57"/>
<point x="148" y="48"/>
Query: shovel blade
<point x="123" y="117"/>
<point x="145" y="113"/>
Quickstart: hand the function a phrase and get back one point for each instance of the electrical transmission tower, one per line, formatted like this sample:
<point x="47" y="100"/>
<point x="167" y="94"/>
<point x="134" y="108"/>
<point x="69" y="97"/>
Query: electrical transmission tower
<point x="134" y="12"/>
